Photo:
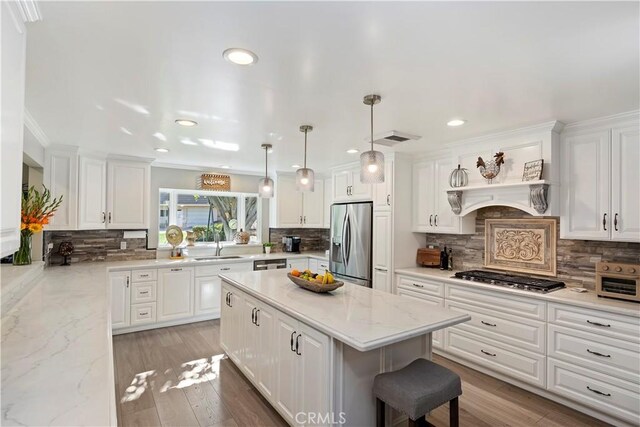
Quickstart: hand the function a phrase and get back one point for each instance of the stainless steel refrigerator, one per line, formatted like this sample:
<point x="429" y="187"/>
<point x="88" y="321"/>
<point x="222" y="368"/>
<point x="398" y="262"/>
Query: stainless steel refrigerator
<point x="351" y="242"/>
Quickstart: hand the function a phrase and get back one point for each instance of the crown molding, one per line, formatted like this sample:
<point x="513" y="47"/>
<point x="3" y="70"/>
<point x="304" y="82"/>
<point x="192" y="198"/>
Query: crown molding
<point x="603" y="122"/>
<point x="207" y="169"/>
<point x="35" y="129"/>
<point x="29" y="10"/>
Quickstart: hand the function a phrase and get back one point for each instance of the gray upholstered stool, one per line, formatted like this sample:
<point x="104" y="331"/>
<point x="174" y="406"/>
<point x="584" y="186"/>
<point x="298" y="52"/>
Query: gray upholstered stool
<point x="417" y="389"/>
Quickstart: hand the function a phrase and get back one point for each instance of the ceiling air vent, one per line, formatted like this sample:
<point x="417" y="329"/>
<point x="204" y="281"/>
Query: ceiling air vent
<point x="393" y="137"/>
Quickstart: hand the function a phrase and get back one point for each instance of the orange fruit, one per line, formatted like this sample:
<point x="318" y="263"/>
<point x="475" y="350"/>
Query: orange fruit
<point x="295" y="273"/>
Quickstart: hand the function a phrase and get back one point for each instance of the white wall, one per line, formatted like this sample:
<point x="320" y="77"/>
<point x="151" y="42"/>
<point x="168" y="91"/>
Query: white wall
<point x="187" y="179"/>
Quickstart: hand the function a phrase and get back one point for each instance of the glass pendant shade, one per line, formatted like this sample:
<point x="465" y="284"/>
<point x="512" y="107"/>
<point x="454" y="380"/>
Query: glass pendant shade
<point x="371" y="167"/>
<point x="265" y="187"/>
<point x="305" y="179"/>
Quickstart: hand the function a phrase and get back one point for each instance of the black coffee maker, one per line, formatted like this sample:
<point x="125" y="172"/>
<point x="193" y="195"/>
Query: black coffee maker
<point x="291" y="244"/>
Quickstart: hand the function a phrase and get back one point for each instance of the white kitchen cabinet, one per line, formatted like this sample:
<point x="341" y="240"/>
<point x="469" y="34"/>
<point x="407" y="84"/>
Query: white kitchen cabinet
<point x="207" y="292"/>
<point x="266" y="363"/>
<point x="600" y="184"/>
<point x="120" y="283"/>
<point x="175" y="293"/>
<point x="286" y="360"/>
<point x="92" y="193"/>
<point x="60" y="176"/>
<point x="382" y="250"/>
<point x="250" y="338"/>
<point x="431" y="210"/>
<point x="128" y="194"/>
<point x="383" y="192"/>
<point x="347" y="186"/>
<point x="296" y="209"/>
<point x="143" y="314"/>
<point x="313" y="265"/>
<point x="300" y="264"/>
<point x="231" y="325"/>
<point x="14" y="41"/>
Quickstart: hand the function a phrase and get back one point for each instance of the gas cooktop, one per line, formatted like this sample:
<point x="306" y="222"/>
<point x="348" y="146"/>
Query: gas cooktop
<point x="510" y="281"/>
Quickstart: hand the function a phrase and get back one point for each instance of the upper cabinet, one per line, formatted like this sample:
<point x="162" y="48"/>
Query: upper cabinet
<point x="97" y="193"/>
<point x="431" y="210"/>
<point x="600" y="184"/>
<point x="347" y="186"/>
<point x="382" y="192"/>
<point x="295" y="209"/>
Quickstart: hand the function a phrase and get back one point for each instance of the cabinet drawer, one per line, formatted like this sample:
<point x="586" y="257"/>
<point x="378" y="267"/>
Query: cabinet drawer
<point x="144" y="275"/>
<point x="437" y="336"/>
<point x="215" y="269"/>
<point x="607" y="355"/>
<point x="323" y="265"/>
<point x="143" y="292"/>
<point x="423" y="286"/>
<point x="143" y="313"/>
<point x="520" y="364"/>
<point x="517" y="306"/>
<point x="524" y="333"/>
<point x="596" y="321"/>
<point x="600" y="391"/>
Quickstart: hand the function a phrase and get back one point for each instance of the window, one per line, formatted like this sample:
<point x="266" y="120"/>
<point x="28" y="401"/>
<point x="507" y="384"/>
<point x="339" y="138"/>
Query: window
<point x="209" y="213"/>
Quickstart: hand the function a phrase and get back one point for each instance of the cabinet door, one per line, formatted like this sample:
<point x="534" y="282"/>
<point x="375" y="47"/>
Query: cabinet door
<point x="444" y="221"/>
<point x="207" y="291"/>
<point x="313" y="206"/>
<point x="328" y="183"/>
<point x="92" y="197"/>
<point x="175" y="293"/>
<point x="341" y="182"/>
<point x="359" y="191"/>
<point x="226" y="321"/>
<point x="382" y="193"/>
<point x="586" y="180"/>
<point x="120" y="298"/>
<point x="236" y="329"/>
<point x="266" y="364"/>
<point x="298" y="263"/>
<point x="382" y="246"/>
<point x="313" y="265"/>
<point x="61" y="178"/>
<point x="286" y="364"/>
<point x="127" y="195"/>
<point x="288" y="203"/>
<point x="250" y="339"/>
<point x="625" y="184"/>
<point x="423" y="174"/>
<point x="314" y="375"/>
<point x="437" y="337"/>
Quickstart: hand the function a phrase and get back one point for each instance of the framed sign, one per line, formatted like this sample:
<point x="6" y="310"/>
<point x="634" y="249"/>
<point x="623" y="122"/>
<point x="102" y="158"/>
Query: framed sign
<point x="522" y="245"/>
<point x="214" y="181"/>
<point x="533" y="170"/>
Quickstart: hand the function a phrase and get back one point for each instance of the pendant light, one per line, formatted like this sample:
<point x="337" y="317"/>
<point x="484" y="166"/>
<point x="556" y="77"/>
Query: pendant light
<point x="372" y="162"/>
<point x="265" y="186"/>
<point x="304" y="176"/>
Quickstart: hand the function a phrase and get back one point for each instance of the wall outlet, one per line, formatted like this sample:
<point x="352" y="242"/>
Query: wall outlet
<point x="123" y="245"/>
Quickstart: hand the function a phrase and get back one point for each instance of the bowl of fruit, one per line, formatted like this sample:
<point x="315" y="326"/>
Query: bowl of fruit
<point x="314" y="281"/>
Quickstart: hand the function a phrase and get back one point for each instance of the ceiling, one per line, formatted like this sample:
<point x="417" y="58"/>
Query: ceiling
<point x="107" y="76"/>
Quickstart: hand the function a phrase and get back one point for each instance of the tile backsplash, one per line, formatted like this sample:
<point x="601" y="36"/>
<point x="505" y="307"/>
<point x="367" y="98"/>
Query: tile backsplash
<point x="97" y="245"/>
<point x="312" y="239"/>
<point x="576" y="259"/>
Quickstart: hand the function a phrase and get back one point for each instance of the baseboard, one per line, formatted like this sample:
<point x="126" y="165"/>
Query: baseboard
<point x="166" y="324"/>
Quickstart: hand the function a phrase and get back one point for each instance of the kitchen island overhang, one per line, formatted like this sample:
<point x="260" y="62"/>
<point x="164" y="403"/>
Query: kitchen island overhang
<point x="314" y="356"/>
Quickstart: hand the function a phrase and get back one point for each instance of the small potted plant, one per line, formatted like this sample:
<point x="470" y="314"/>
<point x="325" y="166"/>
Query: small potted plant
<point x="267" y="247"/>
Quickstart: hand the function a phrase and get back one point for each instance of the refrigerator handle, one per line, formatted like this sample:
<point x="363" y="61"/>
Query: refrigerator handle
<point x="344" y="238"/>
<point x="348" y="240"/>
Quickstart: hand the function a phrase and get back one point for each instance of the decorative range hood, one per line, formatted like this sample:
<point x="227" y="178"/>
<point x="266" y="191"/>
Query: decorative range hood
<point x="538" y="198"/>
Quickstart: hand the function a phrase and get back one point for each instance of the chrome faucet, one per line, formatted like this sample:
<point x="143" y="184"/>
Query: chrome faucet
<point x="218" y="247"/>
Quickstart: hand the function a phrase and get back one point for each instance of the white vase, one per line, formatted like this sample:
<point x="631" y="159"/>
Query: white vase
<point x="267" y="249"/>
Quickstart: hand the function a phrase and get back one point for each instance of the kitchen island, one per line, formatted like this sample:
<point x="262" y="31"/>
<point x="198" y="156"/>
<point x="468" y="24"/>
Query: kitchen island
<point x="314" y="356"/>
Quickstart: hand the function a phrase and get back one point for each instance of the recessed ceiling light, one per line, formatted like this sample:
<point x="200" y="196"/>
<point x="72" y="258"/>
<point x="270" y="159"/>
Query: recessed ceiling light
<point x="220" y="145"/>
<point x="456" y="122"/>
<point x="187" y="141"/>
<point x="162" y="150"/>
<point x="186" y="122"/>
<point x="239" y="56"/>
<point x="225" y="166"/>
<point x="353" y="151"/>
<point x="296" y="166"/>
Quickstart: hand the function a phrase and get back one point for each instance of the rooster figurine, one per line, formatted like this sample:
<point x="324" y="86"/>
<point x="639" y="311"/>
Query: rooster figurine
<point x="491" y="169"/>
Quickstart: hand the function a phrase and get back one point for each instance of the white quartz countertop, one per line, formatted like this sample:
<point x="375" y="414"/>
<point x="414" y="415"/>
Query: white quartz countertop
<point x="194" y="262"/>
<point x="587" y="299"/>
<point x="360" y="317"/>
<point x="56" y="351"/>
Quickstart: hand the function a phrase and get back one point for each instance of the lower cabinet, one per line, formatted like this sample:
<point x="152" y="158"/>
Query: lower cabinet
<point x="285" y="359"/>
<point x="120" y="283"/>
<point x="175" y="293"/>
<point x="207" y="291"/>
<point x="437" y="336"/>
<point x="298" y="263"/>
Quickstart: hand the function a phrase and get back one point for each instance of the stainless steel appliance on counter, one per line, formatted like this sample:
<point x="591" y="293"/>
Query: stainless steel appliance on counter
<point x="616" y="280"/>
<point x="291" y="244"/>
<point x="511" y="280"/>
<point x="351" y="242"/>
<point x="269" y="264"/>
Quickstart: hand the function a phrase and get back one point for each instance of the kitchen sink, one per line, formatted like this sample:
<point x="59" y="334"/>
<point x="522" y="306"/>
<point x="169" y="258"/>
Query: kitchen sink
<point x="213" y="258"/>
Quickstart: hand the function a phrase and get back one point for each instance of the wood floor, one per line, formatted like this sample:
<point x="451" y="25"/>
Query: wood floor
<point x="179" y="376"/>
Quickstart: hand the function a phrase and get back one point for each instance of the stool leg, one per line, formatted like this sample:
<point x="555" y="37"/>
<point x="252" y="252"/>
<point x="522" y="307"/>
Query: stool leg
<point x="379" y="413"/>
<point x="454" y="417"/>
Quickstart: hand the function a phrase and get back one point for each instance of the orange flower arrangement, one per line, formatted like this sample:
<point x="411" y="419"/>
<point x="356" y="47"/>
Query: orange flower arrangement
<point x="37" y="208"/>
